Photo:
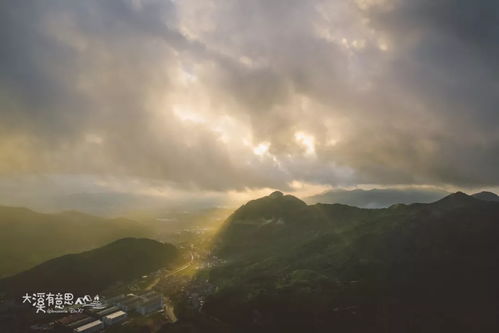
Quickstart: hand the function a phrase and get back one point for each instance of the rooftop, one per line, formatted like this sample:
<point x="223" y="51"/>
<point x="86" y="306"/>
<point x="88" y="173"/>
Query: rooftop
<point x="80" y="322"/>
<point x="151" y="301"/>
<point x="115" y="315"/>
<point x="89" y="325"/>
<point x="151" y="297"/>
<point x="108" y="310"/>
<point x="130" y="300"/>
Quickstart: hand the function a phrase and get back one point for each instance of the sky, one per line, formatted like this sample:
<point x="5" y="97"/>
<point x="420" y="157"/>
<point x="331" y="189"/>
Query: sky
<point x="224" y="100"/>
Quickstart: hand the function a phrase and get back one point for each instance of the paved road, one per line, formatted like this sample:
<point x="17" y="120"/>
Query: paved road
<point x="156" y="280"/>
<point x="169" y="310"/>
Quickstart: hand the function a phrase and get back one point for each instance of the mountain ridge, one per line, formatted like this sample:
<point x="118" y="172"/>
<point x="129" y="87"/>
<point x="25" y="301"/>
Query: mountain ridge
<point x="377" y="197"/>
<point x="23" y="228"/>
<point x="94" y="270"/>
<point x="360" y="270"/>
<point x="487" y="196"/>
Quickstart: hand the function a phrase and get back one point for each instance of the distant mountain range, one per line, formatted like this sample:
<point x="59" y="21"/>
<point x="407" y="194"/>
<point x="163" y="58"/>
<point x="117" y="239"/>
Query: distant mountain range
<point x="377" y="198"/>
<point x="28" y="238"/>
<point x="293" y="267"/>
<point x="92" y="271"/>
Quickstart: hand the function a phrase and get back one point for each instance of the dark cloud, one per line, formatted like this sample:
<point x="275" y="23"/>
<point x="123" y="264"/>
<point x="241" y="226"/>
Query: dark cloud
<point x="444" y="60"/>
<point x="183" y="92"/>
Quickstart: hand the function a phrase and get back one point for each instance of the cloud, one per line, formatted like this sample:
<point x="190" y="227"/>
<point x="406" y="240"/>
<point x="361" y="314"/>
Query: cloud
<point x="184" y="92"/>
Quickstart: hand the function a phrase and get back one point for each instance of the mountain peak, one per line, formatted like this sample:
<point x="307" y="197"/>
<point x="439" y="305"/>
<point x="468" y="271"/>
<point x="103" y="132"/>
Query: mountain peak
<point x="275" y="205"/>
<point x="456" y="200"/>
<point x="276" y="194"/>
<point x="486" y="196"/>
<point x="458" y="194"/>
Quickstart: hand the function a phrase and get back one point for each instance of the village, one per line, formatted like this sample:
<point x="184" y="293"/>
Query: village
<point x="148" y="300"/>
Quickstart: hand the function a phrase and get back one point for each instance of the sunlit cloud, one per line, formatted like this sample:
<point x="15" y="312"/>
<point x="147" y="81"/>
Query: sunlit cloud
<point x="213" y="97"/>
<point x="307" y="141"/>
<point x="261" y="148"/>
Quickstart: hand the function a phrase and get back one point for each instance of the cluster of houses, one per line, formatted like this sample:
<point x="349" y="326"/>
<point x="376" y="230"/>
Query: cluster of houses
<point x="145" y="303"/>
<point x="116" y="312"/>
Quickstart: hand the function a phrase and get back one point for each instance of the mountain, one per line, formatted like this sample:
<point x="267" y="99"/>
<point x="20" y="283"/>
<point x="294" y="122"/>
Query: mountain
<point x="487" y="196"/>
<point x="263" y="222"/>
<point x="377" y="198"/>
<point x="92" y="271"/>
<point x="28" y="238"/>
<point x="293" y="267"/>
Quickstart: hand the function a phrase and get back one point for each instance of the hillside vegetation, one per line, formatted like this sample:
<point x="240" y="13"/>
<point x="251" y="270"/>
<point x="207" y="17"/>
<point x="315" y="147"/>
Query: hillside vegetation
<point x="330" y="267"/>
<point x="92" y="271"/>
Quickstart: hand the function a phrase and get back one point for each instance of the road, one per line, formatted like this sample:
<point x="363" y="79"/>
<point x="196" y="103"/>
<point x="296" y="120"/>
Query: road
<point x="169" y="309"/>
<point x="156" y="280"/>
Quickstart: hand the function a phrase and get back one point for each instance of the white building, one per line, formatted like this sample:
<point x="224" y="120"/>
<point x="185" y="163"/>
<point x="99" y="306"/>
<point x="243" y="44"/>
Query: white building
<point x="114" y="318"/>
<point x="94" y="326"/>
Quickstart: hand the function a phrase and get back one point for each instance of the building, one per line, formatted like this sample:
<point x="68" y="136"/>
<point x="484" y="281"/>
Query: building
<point x="144" y="303"/>
<point x="126" y="299"/>
<point x="94" y="326"/>
<point x="65" y="321"/>
<point x="114" y="318"/>
<point x="114" y="300"/>
<point x="80" y="322"/>
<point x="107" y="311"/>
<point x="130" y="303"/>
<point x="149" y="305"/>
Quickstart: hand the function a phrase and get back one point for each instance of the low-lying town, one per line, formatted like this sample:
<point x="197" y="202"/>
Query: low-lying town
<point x="116" y="310"/>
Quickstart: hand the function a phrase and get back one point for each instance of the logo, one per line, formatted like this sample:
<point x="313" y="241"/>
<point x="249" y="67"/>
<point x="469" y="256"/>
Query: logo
<point x="61" y="303"/>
